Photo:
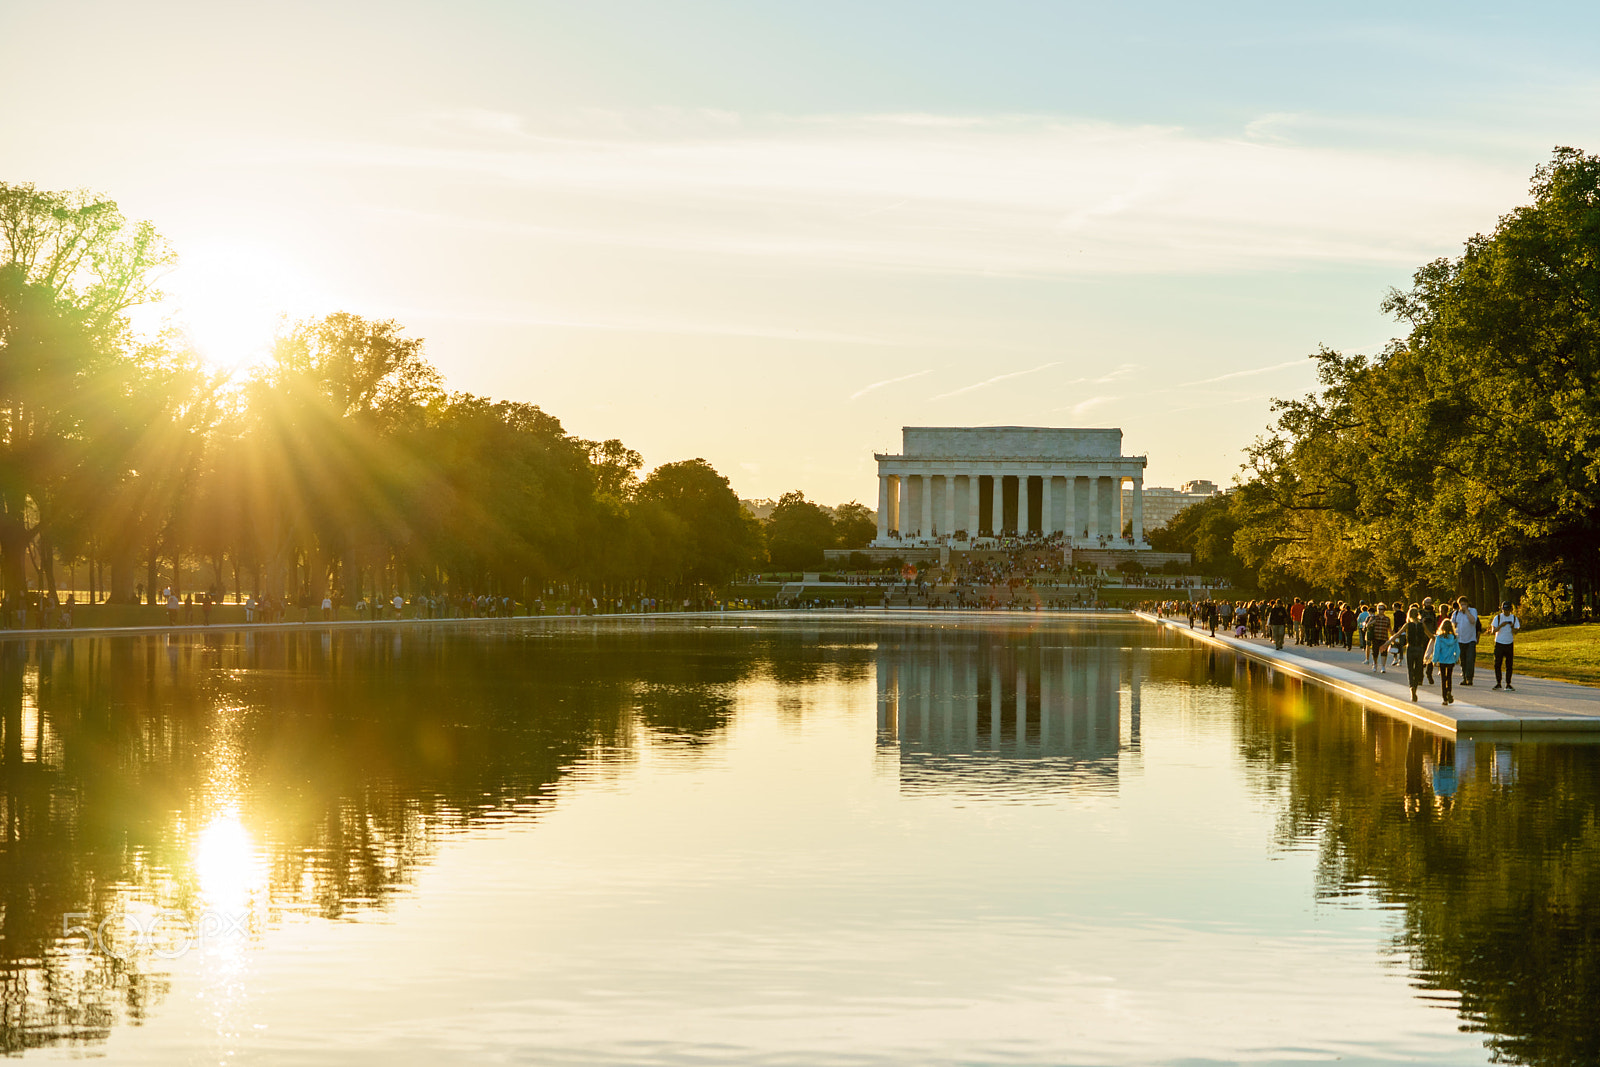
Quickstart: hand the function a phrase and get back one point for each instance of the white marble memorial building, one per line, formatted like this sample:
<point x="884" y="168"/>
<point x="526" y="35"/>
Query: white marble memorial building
<point x="951" y="484"/>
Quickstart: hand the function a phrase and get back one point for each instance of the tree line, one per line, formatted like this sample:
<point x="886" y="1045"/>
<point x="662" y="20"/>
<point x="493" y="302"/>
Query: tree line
<point x="1465" y="457"/>
<point x="341" y="465"/>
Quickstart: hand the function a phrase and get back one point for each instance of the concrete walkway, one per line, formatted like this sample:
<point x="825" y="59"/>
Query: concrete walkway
<point x="1539" y="707"/>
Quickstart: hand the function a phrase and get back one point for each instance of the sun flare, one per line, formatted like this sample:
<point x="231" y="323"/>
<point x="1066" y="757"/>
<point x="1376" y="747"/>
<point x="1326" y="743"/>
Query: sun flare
<point x="229" y="298"/>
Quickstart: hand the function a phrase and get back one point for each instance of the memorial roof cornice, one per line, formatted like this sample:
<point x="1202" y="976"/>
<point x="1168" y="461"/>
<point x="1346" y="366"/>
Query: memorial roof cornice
<point x="913" y="458"/>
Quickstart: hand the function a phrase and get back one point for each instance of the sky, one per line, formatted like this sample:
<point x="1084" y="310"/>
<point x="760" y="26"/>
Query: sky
<point x="770" y="235"/>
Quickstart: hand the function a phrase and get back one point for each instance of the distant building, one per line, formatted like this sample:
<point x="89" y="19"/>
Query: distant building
<point x="1161" y="504"/>
<point x="950" y="485"/>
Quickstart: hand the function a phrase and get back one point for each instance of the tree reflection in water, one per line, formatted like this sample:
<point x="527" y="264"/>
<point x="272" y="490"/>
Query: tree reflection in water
<point x="270" y="776"/>
<point x="257" y="776"/>
<point x="1489" y="851"/>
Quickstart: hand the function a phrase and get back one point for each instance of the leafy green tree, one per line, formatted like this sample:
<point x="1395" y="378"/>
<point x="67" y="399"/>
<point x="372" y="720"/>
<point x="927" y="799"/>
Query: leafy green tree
<point x="70" y="268"/>
<point x="798" y="532"/>
<point x="1207" y="531"/>
<point x="616" y="468"/>
<point x="702" y="532"/>
<point x="1464" y="455"/>
<point x="854" y="525"/>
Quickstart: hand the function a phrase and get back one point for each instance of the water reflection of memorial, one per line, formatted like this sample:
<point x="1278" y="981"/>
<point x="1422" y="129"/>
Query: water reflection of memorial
<point x="967" y="710"/>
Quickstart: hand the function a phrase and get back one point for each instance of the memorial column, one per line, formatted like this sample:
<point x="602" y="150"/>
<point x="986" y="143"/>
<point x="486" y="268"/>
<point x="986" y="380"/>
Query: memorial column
<point x="883" y="508"/>
<point x="1094" y="508"/>
<point x="973" y="486"/>
<point x="1046" y="499"/>
<point x="927" y="505"/>
<point x="1138" y="510"/>
<point x="1022" y="503"/>
<point x="1072" y="508"/>
<point x="949" y="527"/>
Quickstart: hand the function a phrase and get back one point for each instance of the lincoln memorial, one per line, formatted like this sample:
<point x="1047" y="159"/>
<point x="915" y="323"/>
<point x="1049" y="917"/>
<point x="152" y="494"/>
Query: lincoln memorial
<point x="952" y="484"/>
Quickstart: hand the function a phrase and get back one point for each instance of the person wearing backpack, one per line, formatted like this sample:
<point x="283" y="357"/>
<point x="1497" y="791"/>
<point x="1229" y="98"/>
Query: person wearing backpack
<point x="1505" y="625"/>
<point x="1414" y="640"/>
<point x="1278" y="622"/>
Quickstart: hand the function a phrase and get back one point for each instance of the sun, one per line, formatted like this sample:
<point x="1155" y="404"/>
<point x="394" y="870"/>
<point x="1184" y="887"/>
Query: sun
<point x="229" y="298"/>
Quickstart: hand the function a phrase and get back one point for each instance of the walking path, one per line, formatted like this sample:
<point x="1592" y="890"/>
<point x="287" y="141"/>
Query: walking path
<point x="1538" y="707"/>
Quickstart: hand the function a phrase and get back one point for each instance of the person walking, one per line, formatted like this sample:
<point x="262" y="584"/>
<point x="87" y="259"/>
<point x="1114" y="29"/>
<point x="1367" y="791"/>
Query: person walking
<point x="1347" y="624"/>
<point x="1430" y="619"/>
<point x="1446" y="652"/>
<point x="1278" y="622"/>
<point x="1297" y="612"/>
<point x="1378" y="638"/>
<point x="1414" y="640"/>
<point x="1505" y="625"/>
<point x="1467" y="624"/>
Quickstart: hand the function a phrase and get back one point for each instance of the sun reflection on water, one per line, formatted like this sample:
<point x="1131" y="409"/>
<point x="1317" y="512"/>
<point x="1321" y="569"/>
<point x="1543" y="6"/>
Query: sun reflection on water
<point x="228" y="868"/>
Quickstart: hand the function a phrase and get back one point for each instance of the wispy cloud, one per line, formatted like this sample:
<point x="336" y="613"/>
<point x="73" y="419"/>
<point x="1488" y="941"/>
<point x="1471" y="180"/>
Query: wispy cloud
<point x="859" y="393"/>
<point x="997" y="378"/>
<point x="1208" y="405"/>
<point x="520" y="317"/>
<point x="1084" y="406"/>
<point x="1121" y="371"/>
<point x="1301" y="362"/>
<point x="1003" y="195"/>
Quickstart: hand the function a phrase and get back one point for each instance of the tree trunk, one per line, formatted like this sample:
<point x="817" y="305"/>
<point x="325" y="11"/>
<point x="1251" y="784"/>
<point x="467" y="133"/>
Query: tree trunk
<point x="14" y="557"/>
<point x="316" y="570"/>
<point x="124" y="576"/>
<point x="47" y="566"/>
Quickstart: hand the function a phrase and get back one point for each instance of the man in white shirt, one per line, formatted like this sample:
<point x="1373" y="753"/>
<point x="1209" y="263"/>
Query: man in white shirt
<point x="1505" y="626"/>
<point x="1466" y="620"/>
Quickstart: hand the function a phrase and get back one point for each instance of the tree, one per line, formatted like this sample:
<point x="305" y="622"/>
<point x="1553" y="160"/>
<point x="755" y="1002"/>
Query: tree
<point x="798" y="532"/>
<point x="711" y="536"/>
<point x="616" y="468"/>
<point x="1465" y="454"/>
<point x="854" y="525"/>
<point x="70" y="268"/>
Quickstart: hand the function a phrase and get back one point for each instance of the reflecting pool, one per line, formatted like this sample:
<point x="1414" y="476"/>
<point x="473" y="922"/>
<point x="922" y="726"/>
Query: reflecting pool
<point x="771" y="840"/>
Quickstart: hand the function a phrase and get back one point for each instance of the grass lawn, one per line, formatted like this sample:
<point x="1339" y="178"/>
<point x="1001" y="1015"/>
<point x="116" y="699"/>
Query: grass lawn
<point x="1567" y="653"/>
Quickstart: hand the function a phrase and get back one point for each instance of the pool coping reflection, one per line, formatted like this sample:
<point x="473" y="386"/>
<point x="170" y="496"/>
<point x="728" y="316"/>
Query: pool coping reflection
<point x="1461" y="717"/>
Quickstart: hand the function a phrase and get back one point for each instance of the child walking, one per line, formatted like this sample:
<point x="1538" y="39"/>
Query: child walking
<point x="1446" y="652"/>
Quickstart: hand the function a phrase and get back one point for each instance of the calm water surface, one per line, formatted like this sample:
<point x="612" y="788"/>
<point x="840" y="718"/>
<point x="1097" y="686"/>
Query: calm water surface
<point x="771" y="841"/>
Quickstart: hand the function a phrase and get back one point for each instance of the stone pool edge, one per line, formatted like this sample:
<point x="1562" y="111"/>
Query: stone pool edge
<point x="1459" y="718"/>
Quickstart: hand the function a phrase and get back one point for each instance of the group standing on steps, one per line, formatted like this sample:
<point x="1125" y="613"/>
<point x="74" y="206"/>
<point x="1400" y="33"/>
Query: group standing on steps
<point x="1426" y="639"/>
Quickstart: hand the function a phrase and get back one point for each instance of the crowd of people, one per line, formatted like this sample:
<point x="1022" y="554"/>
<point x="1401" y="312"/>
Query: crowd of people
<point x="1423" y="638"/>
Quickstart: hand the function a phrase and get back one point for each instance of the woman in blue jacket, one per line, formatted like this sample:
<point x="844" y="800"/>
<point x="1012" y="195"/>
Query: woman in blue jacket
<point x="1446" y="654"/>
